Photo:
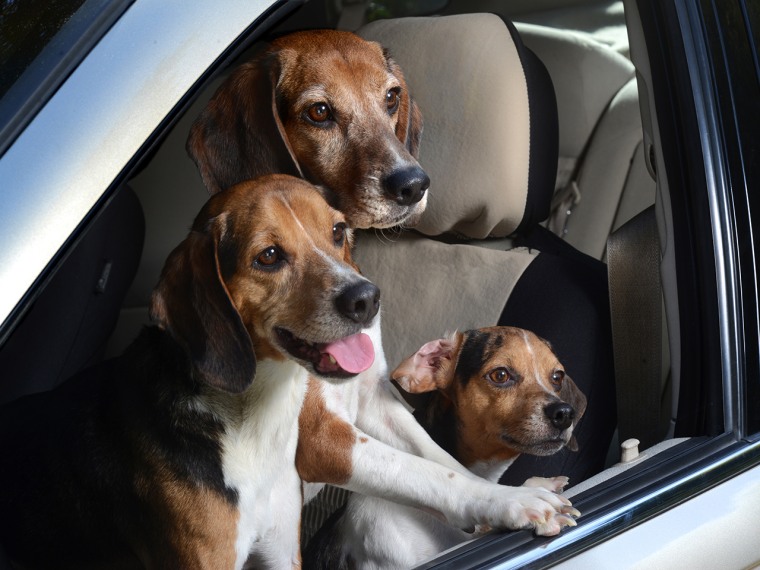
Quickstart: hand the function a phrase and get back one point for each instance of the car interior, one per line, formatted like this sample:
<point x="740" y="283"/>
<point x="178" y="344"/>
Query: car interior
<point x="544" y="213"/>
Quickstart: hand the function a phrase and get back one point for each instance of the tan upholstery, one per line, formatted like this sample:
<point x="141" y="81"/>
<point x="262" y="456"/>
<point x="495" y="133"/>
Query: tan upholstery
<point x="613" y="179"/>
<point x="586" y="76"/>
<point x="472" y="80"/>
<point x="430" y="288"/>
<point x="601" y="139"/>
<point x="475" y="146"/>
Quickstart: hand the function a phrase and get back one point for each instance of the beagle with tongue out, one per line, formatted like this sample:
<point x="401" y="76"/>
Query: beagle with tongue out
<point x="181" y="453"/>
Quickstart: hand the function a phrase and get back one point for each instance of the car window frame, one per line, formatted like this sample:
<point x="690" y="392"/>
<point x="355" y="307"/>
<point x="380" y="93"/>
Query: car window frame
<point x="695" y="153"/>
<point x="637" y="495"/>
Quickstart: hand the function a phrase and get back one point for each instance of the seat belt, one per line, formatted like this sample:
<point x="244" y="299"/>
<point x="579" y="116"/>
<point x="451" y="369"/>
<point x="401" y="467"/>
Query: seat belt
<point x="633" y="265"/>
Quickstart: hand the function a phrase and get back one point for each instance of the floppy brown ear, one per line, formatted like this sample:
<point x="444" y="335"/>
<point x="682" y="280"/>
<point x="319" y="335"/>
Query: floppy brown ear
<point x="409" y="126"/>
<point x="192" y="304"/>
<point x="428" y="369"/>
<point x="571" y="394"/>
<point x="239" y="135"/>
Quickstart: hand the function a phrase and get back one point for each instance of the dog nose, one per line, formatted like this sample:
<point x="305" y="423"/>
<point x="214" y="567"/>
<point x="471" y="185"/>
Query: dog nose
<point x="560" y="414"/>
<point x="359" y="302"/>
<point x="406" y="186"/>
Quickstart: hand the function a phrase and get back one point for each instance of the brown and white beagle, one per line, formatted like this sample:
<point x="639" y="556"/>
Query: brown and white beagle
<point x="327" y="106"/>
<point x="335" y="109"/>
<point x="181" y="453"/>
<point x="497" y="392"/>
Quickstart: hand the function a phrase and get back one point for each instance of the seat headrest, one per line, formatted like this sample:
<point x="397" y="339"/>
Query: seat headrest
<point x="490" y="138"/>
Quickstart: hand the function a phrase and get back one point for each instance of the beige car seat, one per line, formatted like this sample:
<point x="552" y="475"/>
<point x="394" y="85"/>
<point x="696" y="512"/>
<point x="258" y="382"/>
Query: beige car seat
<point x="480" y="255"/>
<point x="603" y="179"/>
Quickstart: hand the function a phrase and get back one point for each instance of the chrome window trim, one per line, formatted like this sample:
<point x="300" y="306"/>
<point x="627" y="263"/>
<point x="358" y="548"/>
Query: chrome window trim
<point x="719" y="198"/>
<point x="711" y="463"/>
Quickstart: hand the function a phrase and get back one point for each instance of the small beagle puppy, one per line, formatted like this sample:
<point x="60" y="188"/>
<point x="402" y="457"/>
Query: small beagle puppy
<point x="497" y="392"/>
<point x="327" y="106"/>
<point x="181" y="453"/>
<point x="335" y="109"/>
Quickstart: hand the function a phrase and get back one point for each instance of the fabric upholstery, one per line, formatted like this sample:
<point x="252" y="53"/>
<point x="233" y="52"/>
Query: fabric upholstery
<point x="429" y="288"/>
<point x="613" y="186"/>
<point x="474" y="96"/>
<point x="586" y="76"/>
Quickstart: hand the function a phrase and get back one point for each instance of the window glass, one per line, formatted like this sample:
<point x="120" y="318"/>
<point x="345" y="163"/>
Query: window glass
<point x="41" y="42"/>
<point x="28" y="26"/>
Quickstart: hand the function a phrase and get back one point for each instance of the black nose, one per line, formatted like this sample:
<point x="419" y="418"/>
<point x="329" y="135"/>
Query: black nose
<point x="406" y="186"/>
<point x="561" y="415"/>
<point x="359" y="302"/>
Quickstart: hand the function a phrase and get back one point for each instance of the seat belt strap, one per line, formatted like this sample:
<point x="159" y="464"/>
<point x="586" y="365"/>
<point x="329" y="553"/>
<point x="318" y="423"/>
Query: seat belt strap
<point x="633" y="263"/>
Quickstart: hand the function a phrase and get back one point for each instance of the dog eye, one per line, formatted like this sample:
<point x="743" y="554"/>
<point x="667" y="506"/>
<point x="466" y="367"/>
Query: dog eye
<point x="392" y="99"/>
<point x="319" y="113"/>
<point x="500" y="377"/>
<point x="269" y="259"/>
<point x="557" y="377"/>
<point x="339" y="233"/>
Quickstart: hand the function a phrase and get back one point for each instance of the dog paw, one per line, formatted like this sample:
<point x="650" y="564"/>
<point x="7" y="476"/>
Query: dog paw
<point x="553" y="484"/>
<point x="531" y="507"/>
<point x="553" y="525"/>
<point x="536" y="507"/>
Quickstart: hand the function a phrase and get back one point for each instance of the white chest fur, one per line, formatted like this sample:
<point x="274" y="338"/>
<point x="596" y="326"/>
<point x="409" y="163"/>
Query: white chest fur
<point x="258" y="459"/>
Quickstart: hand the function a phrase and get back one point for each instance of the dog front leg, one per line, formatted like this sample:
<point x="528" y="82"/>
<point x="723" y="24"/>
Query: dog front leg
<point x="383" y="415"/>
<point x="464" y="501"/>
<point x="331" y="450"/>
<point x="279" y="548"/>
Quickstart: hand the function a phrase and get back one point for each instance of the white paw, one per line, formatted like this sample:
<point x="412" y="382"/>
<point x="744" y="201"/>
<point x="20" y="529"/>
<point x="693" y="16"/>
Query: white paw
<point x="532" y="507"/>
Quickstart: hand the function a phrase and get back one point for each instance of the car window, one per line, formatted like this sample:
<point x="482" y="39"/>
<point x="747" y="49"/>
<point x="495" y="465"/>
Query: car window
<point x="27" y="28"/>
<point x="41" y="41"/>
<point x="170" y="192"/>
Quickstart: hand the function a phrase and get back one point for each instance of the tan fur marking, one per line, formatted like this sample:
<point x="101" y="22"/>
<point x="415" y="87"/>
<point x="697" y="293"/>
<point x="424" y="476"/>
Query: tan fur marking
<point x="190" y="527"/>
<point x="487" y="412"/>
<point x="324" y="443"/>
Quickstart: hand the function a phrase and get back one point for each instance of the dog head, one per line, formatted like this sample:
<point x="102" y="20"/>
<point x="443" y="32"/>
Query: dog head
<point x="327" y="106"/>
<point x="507" y="387"/>
<point x="266" y="273"/>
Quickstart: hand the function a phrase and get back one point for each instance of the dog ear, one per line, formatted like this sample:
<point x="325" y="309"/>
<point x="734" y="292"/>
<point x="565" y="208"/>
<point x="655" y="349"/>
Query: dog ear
<point x="430" y="368"/>
<point x="409" y="126"/>
<point x="571" y="394"/>
<point x="239" y="135"/>
<point x="192" y="304"/>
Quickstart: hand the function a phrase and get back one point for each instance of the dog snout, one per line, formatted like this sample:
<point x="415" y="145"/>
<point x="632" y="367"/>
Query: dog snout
<point x="406" y="186"/>
<point x="560" y="414"/>
<point x="359" y="302"/>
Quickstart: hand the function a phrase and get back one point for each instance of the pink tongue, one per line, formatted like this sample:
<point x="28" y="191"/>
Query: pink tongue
<point x="353" y="354"/>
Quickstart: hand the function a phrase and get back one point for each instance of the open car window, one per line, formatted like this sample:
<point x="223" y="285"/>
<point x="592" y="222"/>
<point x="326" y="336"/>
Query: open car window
<point x="685" y="71"/>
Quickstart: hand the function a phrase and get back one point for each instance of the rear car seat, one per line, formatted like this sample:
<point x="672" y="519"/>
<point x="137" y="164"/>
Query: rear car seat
<point x="603" y="179"/>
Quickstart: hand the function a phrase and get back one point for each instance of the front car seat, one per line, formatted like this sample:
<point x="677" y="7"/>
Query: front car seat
<point x="479" y="256"/>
